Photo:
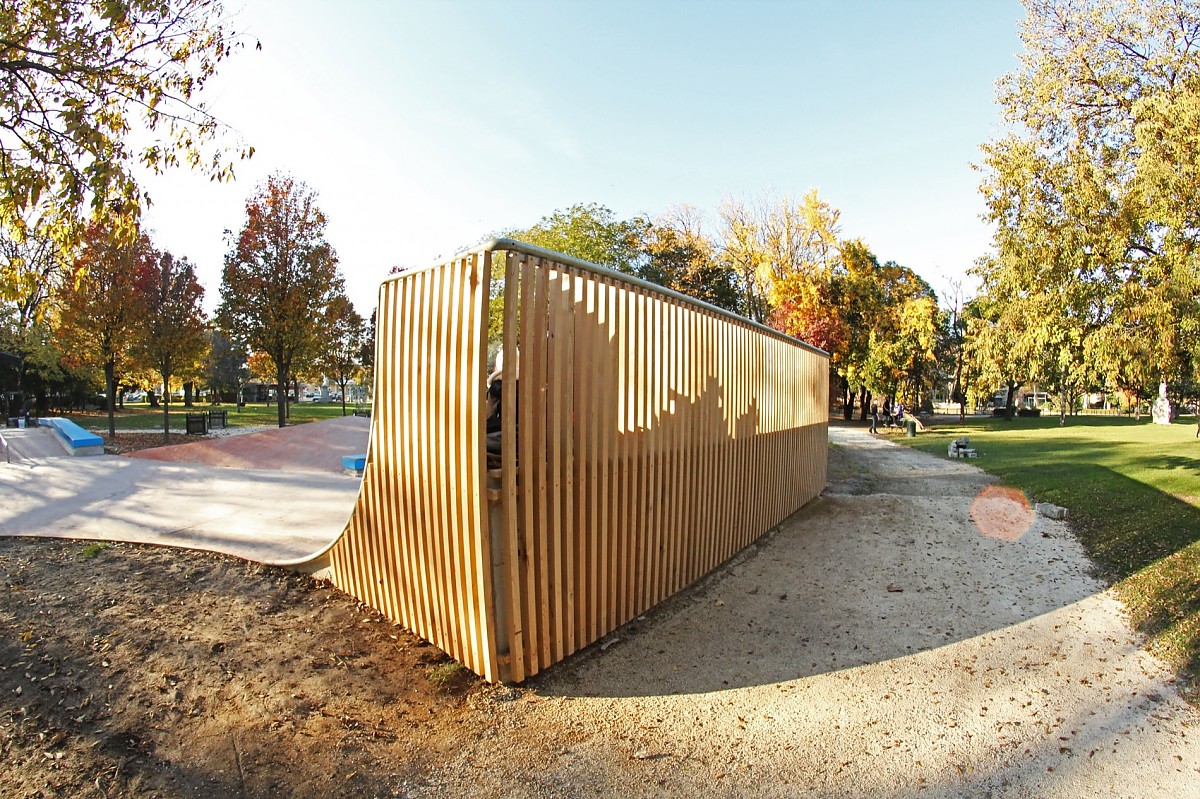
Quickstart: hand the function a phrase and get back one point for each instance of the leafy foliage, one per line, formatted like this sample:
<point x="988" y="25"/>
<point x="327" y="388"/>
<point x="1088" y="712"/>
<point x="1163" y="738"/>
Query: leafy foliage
<point x="590" y="232"/>
<point x="344" y="331"/>
<point x="100" y="305"/>
<point x="225" y="365"/>
<point x="78" y="80"/>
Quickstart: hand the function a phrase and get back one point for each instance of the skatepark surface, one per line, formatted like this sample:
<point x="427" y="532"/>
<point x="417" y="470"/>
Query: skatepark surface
<point x="274" y="496"/>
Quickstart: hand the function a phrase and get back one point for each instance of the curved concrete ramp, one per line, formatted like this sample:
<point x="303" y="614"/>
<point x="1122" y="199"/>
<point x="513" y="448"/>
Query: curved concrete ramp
<point x="276" y="496"/>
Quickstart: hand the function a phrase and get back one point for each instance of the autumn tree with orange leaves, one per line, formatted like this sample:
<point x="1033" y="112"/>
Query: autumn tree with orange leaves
<point x="279" y="279"/>
<point x="171" y="332"/>
<point x="98" y="322"/>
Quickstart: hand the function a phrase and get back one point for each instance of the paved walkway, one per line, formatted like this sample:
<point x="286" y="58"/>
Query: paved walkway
<point x="273" y="496"/>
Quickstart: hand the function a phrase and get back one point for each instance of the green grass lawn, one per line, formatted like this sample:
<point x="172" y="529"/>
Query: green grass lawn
<point x="1133" y="492"/>
<point x="140" y="416"/>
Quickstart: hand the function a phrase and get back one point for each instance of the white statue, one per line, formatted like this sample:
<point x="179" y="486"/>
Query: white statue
<point x="1161" y="410"/>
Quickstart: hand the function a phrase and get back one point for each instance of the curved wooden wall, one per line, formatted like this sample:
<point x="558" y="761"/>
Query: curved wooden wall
<point x="646" y="439"/>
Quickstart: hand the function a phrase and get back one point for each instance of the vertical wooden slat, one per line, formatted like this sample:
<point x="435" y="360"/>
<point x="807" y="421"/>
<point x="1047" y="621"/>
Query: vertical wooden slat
<point x="638" y="497"/>
<point x="658" y="380"/>
<point x="508" y="487"/>
<point x="436" y="536"/>
<point x="474" y="503"/>
<point x="528" y="413"/>
<point x="606" y="420"/>
<point x="541" y="322"/>
<point x="567" y="394"/>
<point x="679" y="475"/>
<point x="419" y="454"/>
<point x="590" y="423"/>
<point x="389" y="436"/>
<point x="581" y="326"/>
<point x="443" y="461"/>
<point x="554" y="476"/>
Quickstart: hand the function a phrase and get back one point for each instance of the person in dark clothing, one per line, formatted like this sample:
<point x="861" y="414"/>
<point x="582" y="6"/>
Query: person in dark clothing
<point x="874" y="418"/>
<point x="493" y="403"/>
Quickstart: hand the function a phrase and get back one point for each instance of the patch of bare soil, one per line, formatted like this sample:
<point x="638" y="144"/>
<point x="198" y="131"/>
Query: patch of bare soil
<point x="122" y="443"/>
<point x="135" y="671"/>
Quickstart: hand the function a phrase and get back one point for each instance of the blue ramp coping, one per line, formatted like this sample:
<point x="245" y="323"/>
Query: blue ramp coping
<point x="354" y="463"/>
<point x="74" y="438"/>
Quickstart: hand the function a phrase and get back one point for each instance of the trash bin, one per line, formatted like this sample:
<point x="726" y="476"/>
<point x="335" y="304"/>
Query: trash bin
<point x="912" y="428"/>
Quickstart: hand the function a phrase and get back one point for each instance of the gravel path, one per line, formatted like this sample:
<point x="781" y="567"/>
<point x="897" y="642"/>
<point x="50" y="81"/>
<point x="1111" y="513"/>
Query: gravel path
<point x="878" y="644"/>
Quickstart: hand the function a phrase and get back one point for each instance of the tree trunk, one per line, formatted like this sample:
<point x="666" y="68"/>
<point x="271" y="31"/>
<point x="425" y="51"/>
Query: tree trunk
<point x="188" y="390"/>
<point x="1062" y="407"/>
<point x="847" y="401"/>
<point x="166" y="376"/>
<point x="110" y="386"/>
<point x="1009" y="408"/>
<point x="958" y="384"/>
<point x="863" y="397"/>
<point x="281" y="395"/>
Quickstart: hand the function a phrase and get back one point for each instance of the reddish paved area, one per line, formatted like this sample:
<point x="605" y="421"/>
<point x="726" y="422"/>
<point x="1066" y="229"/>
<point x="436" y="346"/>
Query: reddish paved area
<point x="313" y="447"/>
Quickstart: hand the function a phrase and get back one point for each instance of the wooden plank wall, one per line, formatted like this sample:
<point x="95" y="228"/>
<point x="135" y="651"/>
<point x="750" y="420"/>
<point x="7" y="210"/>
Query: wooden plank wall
<point x="645" y="441"/>
<point x="417" y="545"/>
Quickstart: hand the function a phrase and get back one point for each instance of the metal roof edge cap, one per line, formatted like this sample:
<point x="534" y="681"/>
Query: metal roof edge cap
<point x="604" y="271"/>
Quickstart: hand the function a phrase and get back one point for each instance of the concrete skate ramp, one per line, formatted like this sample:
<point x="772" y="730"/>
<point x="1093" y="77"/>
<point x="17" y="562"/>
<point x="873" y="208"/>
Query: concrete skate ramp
<point x="30" y="443"/>
<point x="274" y="497"/>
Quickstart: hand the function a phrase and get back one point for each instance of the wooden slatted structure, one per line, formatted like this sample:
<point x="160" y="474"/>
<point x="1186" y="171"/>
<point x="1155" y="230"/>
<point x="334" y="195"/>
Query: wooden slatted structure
<point x="645" y="439"/>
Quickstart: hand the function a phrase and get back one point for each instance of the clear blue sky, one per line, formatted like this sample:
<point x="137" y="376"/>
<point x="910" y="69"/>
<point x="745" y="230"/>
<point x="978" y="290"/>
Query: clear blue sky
<point x="425" y="126"/>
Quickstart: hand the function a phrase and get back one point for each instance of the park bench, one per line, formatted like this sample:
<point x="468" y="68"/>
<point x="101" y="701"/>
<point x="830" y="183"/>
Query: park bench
<point x="74" y="439"/>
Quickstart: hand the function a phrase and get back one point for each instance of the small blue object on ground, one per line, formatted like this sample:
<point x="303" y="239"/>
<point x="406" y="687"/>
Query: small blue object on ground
<point x="354" y="463"/>
<point x="74" y="439"/>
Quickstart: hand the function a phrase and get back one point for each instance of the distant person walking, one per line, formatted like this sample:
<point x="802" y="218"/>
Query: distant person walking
<point x="875" y="419"/>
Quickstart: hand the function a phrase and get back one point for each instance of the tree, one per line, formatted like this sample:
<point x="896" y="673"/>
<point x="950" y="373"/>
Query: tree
<point x="366" y="353"/>
<point x="225" y="368"/>
<point x="1094" y="191"/>
<point x="344" y="327"/>
<point x="171" y="336"/>
<point x="592" y="233"/>
<point x="680" y="257"/>
<point x="280" y="277"/>
<point x="952" y="348"/>
<point x="742" y="254"/>
<point x="31" y="271"/>
<point x="77" y="77"/>
<point x="100" y="306"/>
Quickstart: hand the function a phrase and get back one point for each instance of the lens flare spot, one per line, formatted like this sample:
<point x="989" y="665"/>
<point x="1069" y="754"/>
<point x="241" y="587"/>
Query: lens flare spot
<point x="1001" y="512"/>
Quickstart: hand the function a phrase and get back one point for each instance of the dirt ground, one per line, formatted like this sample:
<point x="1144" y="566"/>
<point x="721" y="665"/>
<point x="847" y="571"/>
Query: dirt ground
<point x="878" y="643"/>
